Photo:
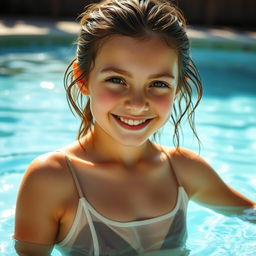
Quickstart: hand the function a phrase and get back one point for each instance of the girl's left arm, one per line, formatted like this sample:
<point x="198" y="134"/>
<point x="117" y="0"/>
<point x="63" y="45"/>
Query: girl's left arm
<point x="205" y="187"/>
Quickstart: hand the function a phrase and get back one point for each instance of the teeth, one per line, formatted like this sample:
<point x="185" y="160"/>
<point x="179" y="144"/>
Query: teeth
<point x="132" y="122"/>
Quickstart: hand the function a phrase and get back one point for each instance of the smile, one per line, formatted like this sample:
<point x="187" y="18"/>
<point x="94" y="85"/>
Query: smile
<point x="132" y="124"/>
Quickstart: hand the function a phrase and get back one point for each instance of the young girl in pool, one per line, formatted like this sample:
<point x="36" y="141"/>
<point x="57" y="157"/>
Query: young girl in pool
<point x="114" y="191"/>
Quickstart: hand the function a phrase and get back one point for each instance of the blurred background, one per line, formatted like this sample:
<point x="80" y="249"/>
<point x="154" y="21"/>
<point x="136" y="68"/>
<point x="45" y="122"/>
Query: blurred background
<point x="36" y="45"/>
<point x="235" y="13"/>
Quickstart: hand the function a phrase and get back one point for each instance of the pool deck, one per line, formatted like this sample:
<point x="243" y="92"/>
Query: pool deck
<point x="16" y="32"/>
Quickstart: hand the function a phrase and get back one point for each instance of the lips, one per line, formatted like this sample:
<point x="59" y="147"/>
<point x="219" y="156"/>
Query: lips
<point x="132" y="124"/>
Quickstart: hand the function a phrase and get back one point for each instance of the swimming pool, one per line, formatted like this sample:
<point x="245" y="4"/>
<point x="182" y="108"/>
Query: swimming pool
<point x="34" y="119"/>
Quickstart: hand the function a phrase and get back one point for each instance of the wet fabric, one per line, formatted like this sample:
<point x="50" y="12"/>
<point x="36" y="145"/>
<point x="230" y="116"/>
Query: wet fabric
<point x="93" y="234"/>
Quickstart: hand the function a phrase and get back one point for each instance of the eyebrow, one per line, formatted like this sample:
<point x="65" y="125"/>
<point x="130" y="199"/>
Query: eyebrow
<point x="126" y="73"/>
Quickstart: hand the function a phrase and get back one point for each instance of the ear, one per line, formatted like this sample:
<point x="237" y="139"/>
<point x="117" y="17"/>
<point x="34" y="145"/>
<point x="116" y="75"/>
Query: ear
<point x="81" y="82"/>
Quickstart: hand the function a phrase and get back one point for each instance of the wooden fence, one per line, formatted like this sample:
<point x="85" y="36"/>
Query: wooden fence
<point x="238" y="13"/>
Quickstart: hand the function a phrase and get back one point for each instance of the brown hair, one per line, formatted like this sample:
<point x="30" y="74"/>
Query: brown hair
<point x="138" y="19"/>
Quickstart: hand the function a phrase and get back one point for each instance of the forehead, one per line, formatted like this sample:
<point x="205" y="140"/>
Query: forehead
<point x="128" y="51"/>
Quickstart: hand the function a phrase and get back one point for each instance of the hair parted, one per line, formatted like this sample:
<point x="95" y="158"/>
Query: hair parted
<point x="138" y="19"/>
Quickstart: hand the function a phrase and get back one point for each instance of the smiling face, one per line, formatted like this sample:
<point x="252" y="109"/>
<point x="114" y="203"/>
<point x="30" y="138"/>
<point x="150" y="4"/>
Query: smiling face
<point x="132" y="87"/>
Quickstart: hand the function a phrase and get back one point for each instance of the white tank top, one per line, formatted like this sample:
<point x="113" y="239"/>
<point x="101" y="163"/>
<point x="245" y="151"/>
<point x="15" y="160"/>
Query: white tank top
<point x="92" y="234"/>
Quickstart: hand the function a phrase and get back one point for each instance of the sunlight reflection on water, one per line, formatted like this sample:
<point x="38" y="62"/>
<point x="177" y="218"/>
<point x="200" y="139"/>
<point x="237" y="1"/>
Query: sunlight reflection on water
<point x="226" y="123"/>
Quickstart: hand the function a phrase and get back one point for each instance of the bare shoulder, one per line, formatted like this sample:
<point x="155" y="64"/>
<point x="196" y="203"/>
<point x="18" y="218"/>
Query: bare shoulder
<point x="192" y="169"/>
<point x="202" y="182"/>
<point x="42" y="200"/>
<point x="183" y="158"/>
<point x="47" y="169"/>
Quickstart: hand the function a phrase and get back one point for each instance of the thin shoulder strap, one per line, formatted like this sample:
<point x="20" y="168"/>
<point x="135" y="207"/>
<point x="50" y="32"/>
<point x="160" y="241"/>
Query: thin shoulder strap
<point x="172" y="167"/>
<point x="73" y="173"/>
<point x="81" y="195"/>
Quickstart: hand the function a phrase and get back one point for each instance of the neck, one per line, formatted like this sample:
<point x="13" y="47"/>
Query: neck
<point x="104" y="148"/>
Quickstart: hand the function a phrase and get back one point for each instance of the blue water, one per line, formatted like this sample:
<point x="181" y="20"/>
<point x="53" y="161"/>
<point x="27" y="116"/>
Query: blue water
<point x="35" y="118"/>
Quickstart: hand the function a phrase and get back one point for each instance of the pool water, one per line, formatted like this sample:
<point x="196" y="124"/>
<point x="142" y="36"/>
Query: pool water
<point x="35" y="118"/>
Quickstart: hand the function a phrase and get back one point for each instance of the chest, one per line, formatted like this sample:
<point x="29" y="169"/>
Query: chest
<point x="145" y="193"/>
<point x="121" y="195"/>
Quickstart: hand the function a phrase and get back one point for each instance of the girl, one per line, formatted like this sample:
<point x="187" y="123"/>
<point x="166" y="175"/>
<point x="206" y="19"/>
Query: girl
<point x="114" y="191"/>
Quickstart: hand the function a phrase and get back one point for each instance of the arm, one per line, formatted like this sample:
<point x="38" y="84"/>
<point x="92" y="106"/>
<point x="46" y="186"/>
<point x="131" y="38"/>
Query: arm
<point x="205" y="187"/>
<point x="27" y="249"/>
<point x="39" y="207"/>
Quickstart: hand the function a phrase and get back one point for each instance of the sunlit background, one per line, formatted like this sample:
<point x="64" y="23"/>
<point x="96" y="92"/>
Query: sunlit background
<point x="36" y="44"/>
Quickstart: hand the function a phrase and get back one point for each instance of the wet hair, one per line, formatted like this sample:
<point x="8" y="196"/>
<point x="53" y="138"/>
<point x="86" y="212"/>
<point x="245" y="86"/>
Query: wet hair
<point x="138" y="19"/>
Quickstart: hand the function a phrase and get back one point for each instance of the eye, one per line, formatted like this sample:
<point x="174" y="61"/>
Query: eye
<point x="115" y="80"/>
<point x="159" y="84"/>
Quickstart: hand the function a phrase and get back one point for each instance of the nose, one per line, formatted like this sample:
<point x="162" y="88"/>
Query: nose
<point x="137" y="103"/>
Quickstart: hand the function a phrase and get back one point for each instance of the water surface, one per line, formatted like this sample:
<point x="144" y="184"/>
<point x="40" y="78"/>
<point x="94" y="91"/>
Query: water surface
<point x="35" y="118"/>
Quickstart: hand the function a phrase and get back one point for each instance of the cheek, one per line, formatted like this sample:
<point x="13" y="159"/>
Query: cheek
<point x="164" y="104"/>
<point x="104" y="99"/>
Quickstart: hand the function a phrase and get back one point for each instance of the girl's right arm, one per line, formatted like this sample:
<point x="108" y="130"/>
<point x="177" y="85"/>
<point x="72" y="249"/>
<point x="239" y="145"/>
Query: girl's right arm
<point x="40" y="206"/>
